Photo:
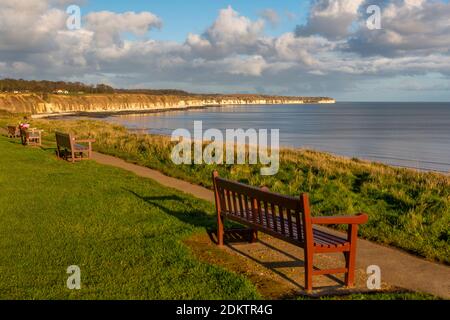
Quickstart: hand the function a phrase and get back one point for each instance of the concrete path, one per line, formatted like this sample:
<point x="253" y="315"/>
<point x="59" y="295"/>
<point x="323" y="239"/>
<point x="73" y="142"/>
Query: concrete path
<point x="398" y="268"/>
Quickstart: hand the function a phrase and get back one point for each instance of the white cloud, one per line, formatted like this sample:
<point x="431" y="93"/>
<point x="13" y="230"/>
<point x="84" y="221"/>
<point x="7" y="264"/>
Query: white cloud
<point x="248" y="66"/>
<point x="331" y="18"/>
<point x="304" y="50"/>
<point x="109" y="26"/>
<point x="410" y="27"/>
<point x="230" y="27"/>
<point x="230" y="34"/>
<point x="28" y="26"/>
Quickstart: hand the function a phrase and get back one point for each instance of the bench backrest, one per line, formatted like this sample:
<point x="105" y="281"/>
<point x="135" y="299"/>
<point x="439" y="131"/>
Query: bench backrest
<point x="64" y="140"/>
<point x="286" y="216"/>
<point x="12" y="130"/>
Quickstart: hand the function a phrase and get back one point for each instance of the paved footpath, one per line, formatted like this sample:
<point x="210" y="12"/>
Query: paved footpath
<point x="397" y="267"/>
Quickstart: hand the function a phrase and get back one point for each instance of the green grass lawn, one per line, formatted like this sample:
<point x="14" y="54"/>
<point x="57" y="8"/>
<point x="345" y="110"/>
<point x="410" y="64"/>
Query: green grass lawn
<point x="124" y="232"/>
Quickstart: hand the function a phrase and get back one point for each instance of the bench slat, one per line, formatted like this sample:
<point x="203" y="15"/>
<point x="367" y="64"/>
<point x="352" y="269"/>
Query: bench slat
<point x="235" y="207"/>
<point x="228" y="199"/>
<point x="281" y="215"/>
<point x="254" y="210"/>
<point x="298" y="224"/>
<point x="247" y="211"/>
<point x="241" y="206"/>
<point x="289" y="219"/>
<point x="268" y="221"/>
<point x="259" y="213"/>
<point x="272" y="207"/>
<point x="266" y="214"/>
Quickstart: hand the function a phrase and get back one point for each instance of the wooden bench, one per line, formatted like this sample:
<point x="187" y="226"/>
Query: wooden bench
<point x="31" y="137"/>
<point x="13" y="131"/>
<point x="68" y="146"/>
<point x="288" y="219"/>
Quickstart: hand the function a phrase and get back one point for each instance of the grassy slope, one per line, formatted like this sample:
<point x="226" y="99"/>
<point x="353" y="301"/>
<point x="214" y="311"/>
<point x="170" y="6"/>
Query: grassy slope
<point x="407" y="209"/>
<point x="123" y="231"/>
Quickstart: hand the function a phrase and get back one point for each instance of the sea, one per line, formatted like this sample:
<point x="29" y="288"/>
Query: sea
<point x="408" y="134"/>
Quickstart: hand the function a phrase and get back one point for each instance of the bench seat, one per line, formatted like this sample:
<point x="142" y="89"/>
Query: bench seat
<point x="271" y="224"/>
<point x="80" y="147"/>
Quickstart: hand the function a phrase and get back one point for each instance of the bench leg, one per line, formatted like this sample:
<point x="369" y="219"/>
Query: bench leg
<point x="350" y="265"/>
<point x="350" y="257"/>
<point x="308" y="270"/>
<point x="254" y="236"/>
<point x="220" y="230"/>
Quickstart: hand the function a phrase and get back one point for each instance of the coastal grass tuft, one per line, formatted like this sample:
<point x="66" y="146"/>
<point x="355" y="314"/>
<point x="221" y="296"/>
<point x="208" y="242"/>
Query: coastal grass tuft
<point x="408" y="209"/>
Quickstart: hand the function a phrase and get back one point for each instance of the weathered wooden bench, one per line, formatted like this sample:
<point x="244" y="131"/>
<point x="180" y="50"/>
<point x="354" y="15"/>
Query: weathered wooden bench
<point x="13" y="131"/>
<point x="68" y="146"/>
<point x="288" y="219"/>
<point x="31" y="137"/>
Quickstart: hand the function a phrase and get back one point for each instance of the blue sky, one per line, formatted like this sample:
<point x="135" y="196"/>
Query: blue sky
<point x="181" y="17"/>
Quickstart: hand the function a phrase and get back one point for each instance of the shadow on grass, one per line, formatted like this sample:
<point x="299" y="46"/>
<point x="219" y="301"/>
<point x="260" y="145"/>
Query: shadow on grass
<point x="190" y="215"/>
<point x="235" y="235"/>
<point x="15" y="141"/>
<point x="45" y="147"/>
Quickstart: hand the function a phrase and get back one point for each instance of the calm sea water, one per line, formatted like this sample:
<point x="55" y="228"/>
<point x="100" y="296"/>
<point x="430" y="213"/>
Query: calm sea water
<point x="413" y="135"/>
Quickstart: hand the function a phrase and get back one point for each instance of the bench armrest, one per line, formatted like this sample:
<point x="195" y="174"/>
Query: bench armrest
<point x="85" y="140"/>
<point x="357" y="219"/>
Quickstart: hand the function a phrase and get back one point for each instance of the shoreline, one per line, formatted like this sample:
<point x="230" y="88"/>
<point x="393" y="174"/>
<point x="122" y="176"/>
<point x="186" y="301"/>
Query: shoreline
<point x="105" y="114"/>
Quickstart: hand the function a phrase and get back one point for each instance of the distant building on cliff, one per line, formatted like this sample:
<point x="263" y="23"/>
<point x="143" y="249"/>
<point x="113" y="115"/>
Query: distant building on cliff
<point x="61" y="92"/>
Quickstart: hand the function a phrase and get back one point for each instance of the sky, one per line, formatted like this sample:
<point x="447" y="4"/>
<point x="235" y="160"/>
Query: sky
<point x="288" y="47"/>
<point x="202" y="13"/>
